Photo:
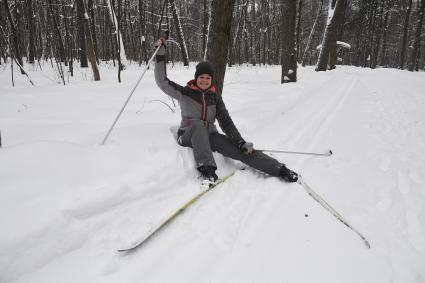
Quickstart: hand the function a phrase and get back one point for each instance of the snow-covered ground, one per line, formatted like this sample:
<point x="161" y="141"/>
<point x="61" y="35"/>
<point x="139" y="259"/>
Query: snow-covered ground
<point x="67" y="203"/>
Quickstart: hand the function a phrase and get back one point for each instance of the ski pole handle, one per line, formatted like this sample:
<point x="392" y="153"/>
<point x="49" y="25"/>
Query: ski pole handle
<point x="163" y="39"/>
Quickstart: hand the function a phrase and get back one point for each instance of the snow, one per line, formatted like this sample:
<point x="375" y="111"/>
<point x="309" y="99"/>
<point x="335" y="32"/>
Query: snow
<point x="343" y="44"/>
<point x="339" y="43"/>
<point x="67" y="203"/>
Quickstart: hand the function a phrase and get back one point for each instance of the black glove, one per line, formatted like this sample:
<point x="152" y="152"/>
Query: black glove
<point x="246" y="147"/>
<point x="288" y="175"/>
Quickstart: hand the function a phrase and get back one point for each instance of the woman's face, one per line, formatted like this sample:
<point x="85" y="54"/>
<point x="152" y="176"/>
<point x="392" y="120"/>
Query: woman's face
<point x="204" y="81"/>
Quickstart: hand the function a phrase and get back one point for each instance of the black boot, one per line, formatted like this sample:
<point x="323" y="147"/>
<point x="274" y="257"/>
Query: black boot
<point x="208" y="173"/>
<point x="288" y="175"/>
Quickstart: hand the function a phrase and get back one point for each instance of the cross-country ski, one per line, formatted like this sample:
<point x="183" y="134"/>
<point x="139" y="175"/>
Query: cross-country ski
<point x="176" y="213"/>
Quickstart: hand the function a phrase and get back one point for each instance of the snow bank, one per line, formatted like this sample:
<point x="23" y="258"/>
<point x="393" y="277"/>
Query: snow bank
<point x="67" y="203"/>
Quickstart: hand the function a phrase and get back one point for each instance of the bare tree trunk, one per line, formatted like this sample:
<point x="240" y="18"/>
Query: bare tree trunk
<point x="235" y="46"/>
<point x="311" y="33"/>
<point x="378" y="37"/>
<point x="384" y="40"/>
<point x="88" y="38"/>
<point x="180" y="35"/>
<point x="82" y="52"/>
<point x="207" y="34"/>
<point x="142" y="22"/>
<point x="120" y="48"/>
<point x="336" y="10"/>
<point x="68" y="40"/>
<point x="288" y="51"/>
<point x="245" y="34"/>
<point x="16" y="46"/>
<point x="117" y="35"/>
<point x="31" y="26"/>
<point x="414" y="65"/>
<point x="371" y="15"/>
<point x="300" y="5"/>
<point x="91" y="9"/>
<point x="219" y="39"/>
<point x="405" y="31"/>
<point x="60" y="44"/>
<point x="253" y="24"/>
<point x="205" y="26"/>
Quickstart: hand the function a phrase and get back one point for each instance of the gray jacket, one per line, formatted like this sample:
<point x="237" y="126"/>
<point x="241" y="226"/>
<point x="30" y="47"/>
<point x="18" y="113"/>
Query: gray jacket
<point x="195" y="103"/>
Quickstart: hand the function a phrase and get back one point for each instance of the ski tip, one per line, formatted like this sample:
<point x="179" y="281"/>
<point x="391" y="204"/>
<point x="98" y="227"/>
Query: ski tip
<point x="126" y="251"/>
<point x="366" y="243"/>
<point x="121" y="251"/>
<point x="330" y="152"/>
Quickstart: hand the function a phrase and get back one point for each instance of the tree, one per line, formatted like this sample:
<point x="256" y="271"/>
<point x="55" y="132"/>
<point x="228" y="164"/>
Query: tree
<point x="328" y="48"/>
<point x="414" y="64"/>
<point x="219" y="39"/>
<point x="82" y="52"/>
<point x="31" y="32"/>
<point x="298" y="33"/>
<point x="288" y="53"/>
<point x="56" y="26"/>
<point x="87" y="35"/>
<point x="116" y="34"/>
<point x="387" y="12"/>
<point x="142" y="31"/>
<point x="205" y="26"/>
<point x="91" y="8"/>
<point x="180" y="35"/>
<point x="16" y="46"/>
<point x="405" y="31"/>
<point x="313" y="29"/>
<point x="377" y="31"/>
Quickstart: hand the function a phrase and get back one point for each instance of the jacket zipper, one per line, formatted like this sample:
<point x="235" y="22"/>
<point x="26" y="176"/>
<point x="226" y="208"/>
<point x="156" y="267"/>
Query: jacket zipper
<point x="204" y="110"/>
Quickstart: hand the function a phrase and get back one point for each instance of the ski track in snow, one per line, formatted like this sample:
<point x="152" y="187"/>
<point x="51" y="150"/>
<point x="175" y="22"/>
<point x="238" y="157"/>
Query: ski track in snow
<point x="72" y="204"/>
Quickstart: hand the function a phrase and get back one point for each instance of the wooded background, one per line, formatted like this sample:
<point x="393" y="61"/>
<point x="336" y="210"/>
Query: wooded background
<point x="366" y="33"/>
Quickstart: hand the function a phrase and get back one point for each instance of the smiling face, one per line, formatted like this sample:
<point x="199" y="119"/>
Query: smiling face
<point x="204" y="81"/>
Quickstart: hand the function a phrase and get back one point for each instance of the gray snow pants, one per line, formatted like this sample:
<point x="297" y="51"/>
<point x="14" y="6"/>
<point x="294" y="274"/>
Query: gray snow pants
<point x="203" y="144"/>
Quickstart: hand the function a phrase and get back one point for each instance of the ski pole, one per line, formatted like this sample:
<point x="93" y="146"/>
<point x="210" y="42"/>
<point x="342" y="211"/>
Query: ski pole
<point x="328" y="153"/>
<point x="132" y="91"/>
<point x="329" y="208"/>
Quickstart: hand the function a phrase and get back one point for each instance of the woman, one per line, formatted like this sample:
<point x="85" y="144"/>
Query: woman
<point x="200" y="107"/>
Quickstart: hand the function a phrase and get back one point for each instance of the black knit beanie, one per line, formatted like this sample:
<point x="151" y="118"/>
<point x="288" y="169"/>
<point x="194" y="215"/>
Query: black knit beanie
<point x="204" y="68"/>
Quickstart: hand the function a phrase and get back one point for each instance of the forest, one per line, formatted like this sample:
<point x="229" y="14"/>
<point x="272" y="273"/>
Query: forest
<point x="325" y="33"/>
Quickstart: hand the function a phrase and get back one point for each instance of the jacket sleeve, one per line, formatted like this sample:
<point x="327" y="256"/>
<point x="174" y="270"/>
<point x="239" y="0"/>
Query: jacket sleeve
<point x="226" y="123"/>
<point x="169" y="87"/>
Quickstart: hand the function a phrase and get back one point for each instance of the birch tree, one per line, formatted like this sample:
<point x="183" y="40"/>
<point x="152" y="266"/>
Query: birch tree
<point x="116" y="33"/>
<point x="312" y="31"/>
<point x="328" y="48"/>
<point x="180" y="35"/>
